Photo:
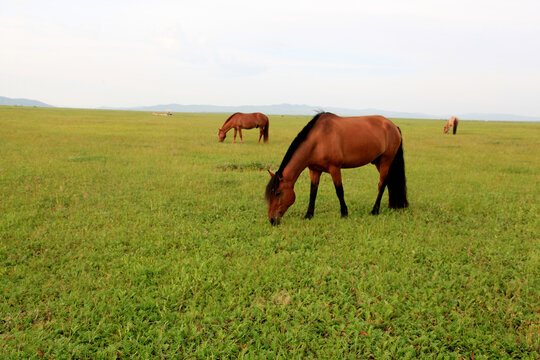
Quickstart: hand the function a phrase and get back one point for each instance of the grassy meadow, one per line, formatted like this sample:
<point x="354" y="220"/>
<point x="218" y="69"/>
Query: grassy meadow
<point x="127" y="235"/>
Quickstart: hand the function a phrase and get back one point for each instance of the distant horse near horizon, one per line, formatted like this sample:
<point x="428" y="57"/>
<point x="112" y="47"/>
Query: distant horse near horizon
<point x="168" y="113"/>
<point x="329" y="143"/>
<point x="451" y="123"/>
<point x="240" y="121"/>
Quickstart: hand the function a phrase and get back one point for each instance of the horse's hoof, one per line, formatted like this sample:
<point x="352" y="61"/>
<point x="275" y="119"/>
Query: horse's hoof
<point x="308" y="216"/>
<point x="374" y="212"/>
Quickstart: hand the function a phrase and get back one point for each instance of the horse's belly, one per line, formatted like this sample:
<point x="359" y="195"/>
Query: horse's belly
<point x="344" y="156"/>
<point x="352" y="160"/>
<point x="355" y="163"/>
<point x="361" y="154"/>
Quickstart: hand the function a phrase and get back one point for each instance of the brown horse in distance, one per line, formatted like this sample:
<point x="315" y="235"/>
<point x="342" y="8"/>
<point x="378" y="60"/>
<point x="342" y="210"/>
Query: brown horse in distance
<point x="451" y="123"/>
<point x="329" y="143"/>
<point x="240" y="121"/>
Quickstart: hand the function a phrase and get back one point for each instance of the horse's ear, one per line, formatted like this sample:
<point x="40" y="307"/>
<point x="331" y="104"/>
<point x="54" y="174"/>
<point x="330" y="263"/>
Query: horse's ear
<point x="271" y="173"/>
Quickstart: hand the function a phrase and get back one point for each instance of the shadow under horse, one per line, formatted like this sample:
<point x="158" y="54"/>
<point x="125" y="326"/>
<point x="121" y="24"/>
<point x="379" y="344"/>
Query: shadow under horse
<point x="239" y="121"/>
<point x="329" y="143"/>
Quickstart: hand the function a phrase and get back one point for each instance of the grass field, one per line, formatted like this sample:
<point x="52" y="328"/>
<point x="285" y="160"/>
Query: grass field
<point x="124" y="235"/>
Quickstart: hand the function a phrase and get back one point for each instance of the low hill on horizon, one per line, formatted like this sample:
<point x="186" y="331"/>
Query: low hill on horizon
<point x="22" y="102"/>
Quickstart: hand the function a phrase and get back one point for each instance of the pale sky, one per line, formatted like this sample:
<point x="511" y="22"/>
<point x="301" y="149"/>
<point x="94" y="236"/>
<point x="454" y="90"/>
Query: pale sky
<point x="417" y="56"/>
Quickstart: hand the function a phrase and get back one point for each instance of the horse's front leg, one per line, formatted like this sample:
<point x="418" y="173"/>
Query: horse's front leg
<point x="314" y="176"/>
<point x="241" y="138"/>
<point x="336" y="177"/>
<point x="235" y="131"/>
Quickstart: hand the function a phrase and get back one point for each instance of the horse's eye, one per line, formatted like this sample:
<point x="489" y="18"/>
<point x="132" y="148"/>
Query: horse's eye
<point x="278" y="194"/>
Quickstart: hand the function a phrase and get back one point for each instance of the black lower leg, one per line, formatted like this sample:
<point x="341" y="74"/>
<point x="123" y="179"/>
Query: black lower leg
<point x="339" y="192"/>
<point x="375" y="210"/>
<point x="377" y="205"/>
<point x="312" y="197"/>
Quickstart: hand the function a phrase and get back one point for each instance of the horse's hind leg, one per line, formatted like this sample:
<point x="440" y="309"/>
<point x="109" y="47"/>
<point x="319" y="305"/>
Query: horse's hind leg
<point x="383" y="166"/>
<point x="235" y="131"/>
<point x="336" y="177"/>
<point x="260" y="134"/>
<point x="314" y="176"/>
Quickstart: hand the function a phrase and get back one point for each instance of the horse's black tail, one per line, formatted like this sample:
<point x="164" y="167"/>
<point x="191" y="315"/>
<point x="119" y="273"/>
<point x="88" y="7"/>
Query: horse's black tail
<point x="265" y="131"/>
<point x="396" y="181"/>
<point x="455" y="127"/>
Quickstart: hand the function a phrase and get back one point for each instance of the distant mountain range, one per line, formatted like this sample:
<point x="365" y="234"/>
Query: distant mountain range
<point x="22" y="102"/>
<point x="279" y="109"/>
<point x="289" y="109"/>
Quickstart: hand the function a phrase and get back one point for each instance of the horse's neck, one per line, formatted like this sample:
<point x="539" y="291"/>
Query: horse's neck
<point x="228" y="125"/>
<point x="298" y="163"/>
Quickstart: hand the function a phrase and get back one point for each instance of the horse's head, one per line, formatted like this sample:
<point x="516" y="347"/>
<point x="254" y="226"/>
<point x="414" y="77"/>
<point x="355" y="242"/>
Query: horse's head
<point x="446" y="127"/>
<point x="221" y="135"/>
<point x="280" y="195"/>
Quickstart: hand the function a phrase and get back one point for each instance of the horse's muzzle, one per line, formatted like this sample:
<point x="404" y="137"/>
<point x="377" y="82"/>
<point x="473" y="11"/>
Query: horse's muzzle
<point x="275" y="221"/>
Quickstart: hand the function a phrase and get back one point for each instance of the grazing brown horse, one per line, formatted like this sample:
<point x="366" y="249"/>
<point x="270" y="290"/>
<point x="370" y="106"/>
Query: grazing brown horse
<point x="240" y="121"/>
<point x="329" y="143"/>
<point x="452" y="123"/>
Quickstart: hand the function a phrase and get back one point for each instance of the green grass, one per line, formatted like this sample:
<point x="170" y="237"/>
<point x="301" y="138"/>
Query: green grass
<point x="124" y="235"/>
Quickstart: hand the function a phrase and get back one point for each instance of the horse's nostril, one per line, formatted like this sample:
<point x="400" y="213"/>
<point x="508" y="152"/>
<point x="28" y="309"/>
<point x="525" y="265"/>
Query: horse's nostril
<point x="272" y="221"/>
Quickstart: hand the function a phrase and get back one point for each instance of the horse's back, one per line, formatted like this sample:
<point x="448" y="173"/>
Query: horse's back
<point x="361" y="129"/>
<point x="251" y="120"/>
<point x="356" y="141"/>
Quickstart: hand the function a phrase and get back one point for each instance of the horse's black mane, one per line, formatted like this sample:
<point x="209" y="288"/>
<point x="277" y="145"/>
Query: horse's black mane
<point x="299" y="139"/>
